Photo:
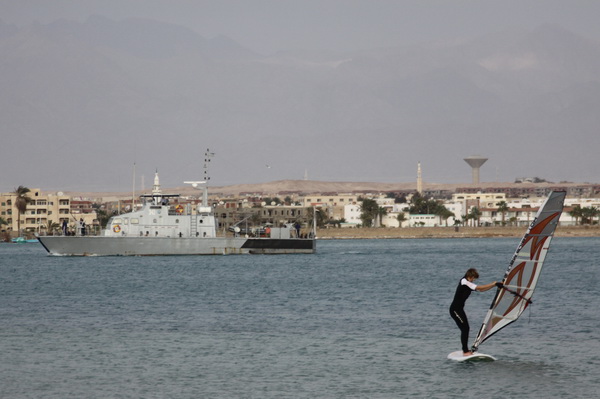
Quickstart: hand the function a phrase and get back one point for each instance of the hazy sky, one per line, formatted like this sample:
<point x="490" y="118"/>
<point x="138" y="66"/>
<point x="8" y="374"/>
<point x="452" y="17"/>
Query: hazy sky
<point x="268" y="26"/>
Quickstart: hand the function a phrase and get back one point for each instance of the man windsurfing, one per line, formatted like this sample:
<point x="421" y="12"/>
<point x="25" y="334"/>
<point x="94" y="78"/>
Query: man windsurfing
<point x="457" y="312"/>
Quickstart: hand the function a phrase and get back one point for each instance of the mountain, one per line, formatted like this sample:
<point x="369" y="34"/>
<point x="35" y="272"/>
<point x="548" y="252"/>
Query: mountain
<point x="82" y="102"/>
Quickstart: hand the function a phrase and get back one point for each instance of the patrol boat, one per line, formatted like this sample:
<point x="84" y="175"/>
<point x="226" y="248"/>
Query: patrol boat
<point x="157" y="229"/>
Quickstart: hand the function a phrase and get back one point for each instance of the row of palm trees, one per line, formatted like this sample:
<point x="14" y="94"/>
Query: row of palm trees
<point x="586" y="214"/>
<point x="371" y="211"/>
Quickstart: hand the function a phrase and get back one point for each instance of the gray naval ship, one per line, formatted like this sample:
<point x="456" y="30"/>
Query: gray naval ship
<point x="157" y="229"/>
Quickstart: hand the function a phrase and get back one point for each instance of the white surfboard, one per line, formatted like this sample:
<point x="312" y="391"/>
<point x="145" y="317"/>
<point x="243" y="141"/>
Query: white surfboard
<point x="475" y="357"/>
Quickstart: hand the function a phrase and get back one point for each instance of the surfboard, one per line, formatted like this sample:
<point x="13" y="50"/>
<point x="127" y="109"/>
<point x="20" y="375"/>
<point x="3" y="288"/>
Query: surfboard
<point x="475" y="357"/>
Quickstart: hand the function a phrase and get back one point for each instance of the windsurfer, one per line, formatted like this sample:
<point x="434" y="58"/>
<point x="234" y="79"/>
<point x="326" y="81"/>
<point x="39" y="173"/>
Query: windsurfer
<point x="457" y="311"/>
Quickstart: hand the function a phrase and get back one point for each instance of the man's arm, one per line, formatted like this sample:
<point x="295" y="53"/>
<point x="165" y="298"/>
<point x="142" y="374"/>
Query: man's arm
<point x="485" y="287"/>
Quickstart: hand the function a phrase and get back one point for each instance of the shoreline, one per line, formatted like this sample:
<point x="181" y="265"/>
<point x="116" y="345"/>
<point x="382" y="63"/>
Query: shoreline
<point x="446" y="232"/>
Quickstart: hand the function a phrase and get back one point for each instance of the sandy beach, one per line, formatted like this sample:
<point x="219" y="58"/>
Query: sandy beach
<point x="447" y="232"/>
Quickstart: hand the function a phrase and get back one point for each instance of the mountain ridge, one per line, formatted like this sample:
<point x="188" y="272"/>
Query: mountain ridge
<point x="104" y="101"/>
<point x="307" y="187"/>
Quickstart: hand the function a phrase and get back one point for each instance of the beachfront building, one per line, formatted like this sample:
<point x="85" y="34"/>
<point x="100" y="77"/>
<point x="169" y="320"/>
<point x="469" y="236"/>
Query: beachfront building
<point x="352" y="214"/>
<point x="42" y="210"/>
<point x="570" y="203"/>
<point x="483" y="200"/>
<point x="329" y="199"/>
<point x="331" y="203"/>
<point x="46" y="213"/>
<point x="429" y="220"/>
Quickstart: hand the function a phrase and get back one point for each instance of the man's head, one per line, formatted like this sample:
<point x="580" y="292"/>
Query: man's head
<point x="472" y="274"/>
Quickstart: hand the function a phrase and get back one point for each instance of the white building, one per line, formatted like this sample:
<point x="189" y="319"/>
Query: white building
<point x="423" y="220"/>
<point x="521" y="211"/>
<point x="352" y="214"/>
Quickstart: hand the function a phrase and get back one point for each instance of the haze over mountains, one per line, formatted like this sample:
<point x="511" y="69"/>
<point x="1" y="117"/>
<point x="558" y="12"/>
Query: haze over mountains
<point x="81" y="102"/>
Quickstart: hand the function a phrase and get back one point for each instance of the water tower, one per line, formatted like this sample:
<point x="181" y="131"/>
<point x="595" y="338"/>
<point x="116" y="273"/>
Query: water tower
<point x="475" y="162"/>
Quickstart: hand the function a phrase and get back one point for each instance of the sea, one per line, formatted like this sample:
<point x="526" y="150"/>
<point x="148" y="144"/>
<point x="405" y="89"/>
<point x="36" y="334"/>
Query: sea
<point x="358" y="319"/>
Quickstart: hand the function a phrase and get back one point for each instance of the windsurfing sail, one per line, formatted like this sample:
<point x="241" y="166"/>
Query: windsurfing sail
<point x="523" y="271"/>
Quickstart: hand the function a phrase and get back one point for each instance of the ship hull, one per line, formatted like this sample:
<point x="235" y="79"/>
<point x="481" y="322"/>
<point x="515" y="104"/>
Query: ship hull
<point x="165" y="246"/>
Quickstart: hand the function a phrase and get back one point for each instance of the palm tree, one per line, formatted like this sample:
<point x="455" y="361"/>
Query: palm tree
<point x="475" y="214"/>
<point x="421" y="206"/>
<point x="5" y="236"/>
<point x="401" y="218"/>
<point x="444" y="213"/>
<point x="381" y="212"/>
<point x="51" y="227"/>
<point x="102" y="217"/>
<point x="21" y="203"/>
<point x="321" y="217"/>
<point x="466" y="219"/>
<point x="576" y="212"/>
<point x="594" y="212"/>
<point x="369" y="211"/>
<point x="588" y="214"/>
<point x="255" y="219"/>
<point x="503" y="208"/>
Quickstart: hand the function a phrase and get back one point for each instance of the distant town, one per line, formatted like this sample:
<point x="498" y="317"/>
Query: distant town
<point x="31" y="211"/>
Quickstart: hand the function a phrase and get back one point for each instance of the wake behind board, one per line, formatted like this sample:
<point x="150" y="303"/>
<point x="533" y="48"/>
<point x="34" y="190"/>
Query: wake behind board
<point x="476" y="357"/>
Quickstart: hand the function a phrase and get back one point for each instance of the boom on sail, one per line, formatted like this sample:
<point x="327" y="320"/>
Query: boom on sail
<point x="523" y="271"/>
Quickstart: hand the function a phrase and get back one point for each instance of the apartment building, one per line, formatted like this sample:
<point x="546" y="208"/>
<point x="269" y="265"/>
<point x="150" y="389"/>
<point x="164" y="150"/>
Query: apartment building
<point x="479" y="199"/>
<point x="332" y="204"/>
<point x="42" y="209"/>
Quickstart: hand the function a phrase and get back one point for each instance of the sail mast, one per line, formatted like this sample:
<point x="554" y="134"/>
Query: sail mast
<point x="523" y="270"/>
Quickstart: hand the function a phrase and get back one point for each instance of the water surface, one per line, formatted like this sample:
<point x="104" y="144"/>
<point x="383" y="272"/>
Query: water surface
<point x="359" y="319"/>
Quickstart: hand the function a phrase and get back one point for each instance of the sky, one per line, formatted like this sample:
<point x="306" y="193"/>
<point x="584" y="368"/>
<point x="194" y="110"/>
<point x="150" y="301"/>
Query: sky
<point x="269" y="26"/>
<point x="272" y="26"/>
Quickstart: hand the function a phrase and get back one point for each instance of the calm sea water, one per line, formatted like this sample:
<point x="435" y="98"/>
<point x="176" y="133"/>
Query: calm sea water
<point x="359" y="319"/>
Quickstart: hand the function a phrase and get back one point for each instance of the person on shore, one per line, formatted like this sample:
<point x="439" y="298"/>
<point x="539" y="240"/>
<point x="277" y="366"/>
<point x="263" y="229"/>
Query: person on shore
<point x="297" y="226"/>
<point x="457" y="312"/>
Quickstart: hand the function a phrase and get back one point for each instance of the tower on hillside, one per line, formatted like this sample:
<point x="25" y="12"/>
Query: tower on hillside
<point x="475" y="163"/>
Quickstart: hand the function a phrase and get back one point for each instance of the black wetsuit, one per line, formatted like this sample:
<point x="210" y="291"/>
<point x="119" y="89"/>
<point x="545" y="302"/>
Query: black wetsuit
<point x="457" y="312"/>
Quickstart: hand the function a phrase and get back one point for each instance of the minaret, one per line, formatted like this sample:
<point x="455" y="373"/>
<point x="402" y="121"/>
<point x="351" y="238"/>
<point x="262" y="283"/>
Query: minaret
<point x="305" y="174"/>
<point x="156" y="187"/>
<point x="475" y="162"/>
<point x="419" y="179"/>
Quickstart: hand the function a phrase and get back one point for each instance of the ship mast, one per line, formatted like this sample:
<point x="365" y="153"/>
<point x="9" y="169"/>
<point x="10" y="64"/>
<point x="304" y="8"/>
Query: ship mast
<point x="207" y="156"/>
